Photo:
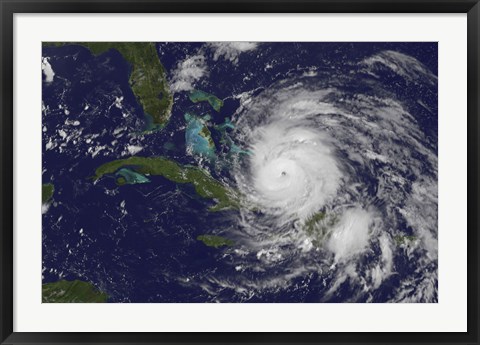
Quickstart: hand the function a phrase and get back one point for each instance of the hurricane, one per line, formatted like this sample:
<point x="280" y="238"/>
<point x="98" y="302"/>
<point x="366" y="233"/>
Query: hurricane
<point x="338" y="168"/>
<point x="240" y="172"/>
<point x="293" y="170"/>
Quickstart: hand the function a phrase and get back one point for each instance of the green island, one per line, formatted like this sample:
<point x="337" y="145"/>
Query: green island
<point x="215" y="241"/>
<point x="318" y="227"/>
<point x="205" y="132"/>
<point x="47" y="192"/>
<point x="147" y="79"/>
<point x="205" y="185"/>
<point x="76" y="291"/>
<point x="310" y="223"/>
<point x="404" y="239"/>
<point x="121" y="181"/>
<point x="200" y="96"/>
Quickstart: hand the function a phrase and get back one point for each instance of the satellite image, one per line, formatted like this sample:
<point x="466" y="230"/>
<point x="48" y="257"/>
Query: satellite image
<point x="239" y="172"/>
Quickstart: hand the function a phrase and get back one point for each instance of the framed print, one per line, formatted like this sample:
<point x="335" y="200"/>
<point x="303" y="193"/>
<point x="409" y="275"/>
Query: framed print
<point x="239" y="172"/>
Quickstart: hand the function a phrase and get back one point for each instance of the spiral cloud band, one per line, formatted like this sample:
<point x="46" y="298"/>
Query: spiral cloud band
<point x="340" y="170"/>
<point x="293" y="170"/>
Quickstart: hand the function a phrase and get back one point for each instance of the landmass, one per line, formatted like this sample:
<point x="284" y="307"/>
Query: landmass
<point x="318" y="227"/>
<point x="47" y="192"/>
<point x="148" y="78"/>
<point x="201" y="96"/>
<point x="198" y="137"/>
<point x="310" y="223"/>
<point x="215" y="241"/>
<point x="205" y="185"/>
<point x="404" y="239"/>
<point x="76" y="291"/>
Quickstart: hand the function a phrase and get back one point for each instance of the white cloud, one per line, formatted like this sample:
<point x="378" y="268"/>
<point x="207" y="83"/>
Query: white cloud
<point x="351" y="235"/>
<point x="134" y="149"/>
<point x="384" y="269"/>
<point x="231" y="50"/>
<point x="47" y="70"/>
<point x="188" y="71"/>
<point x="406" y="66"/>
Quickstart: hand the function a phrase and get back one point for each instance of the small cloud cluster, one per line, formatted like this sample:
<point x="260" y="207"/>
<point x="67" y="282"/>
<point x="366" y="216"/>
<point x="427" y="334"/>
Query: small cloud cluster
<point x="405" y="66"/>
<point x="47" y="70"/>
<point x="231" y="50"/>
<point x="188" y="71"/>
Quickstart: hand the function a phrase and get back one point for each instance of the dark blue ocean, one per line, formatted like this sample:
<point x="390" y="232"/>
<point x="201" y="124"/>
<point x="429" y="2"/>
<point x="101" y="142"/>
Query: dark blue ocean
<point x="138" y="242"/>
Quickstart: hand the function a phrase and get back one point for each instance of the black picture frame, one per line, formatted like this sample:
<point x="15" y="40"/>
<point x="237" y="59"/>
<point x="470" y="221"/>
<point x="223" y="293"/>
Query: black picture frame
<point x="9" y="7"/>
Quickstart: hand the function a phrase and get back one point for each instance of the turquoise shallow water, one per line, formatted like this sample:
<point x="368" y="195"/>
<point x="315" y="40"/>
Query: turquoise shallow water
<point x="138" y="242"/>
<point x="196" y="141"/>
<point x="200" y="96"/>
<point x="132" y="177"/>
